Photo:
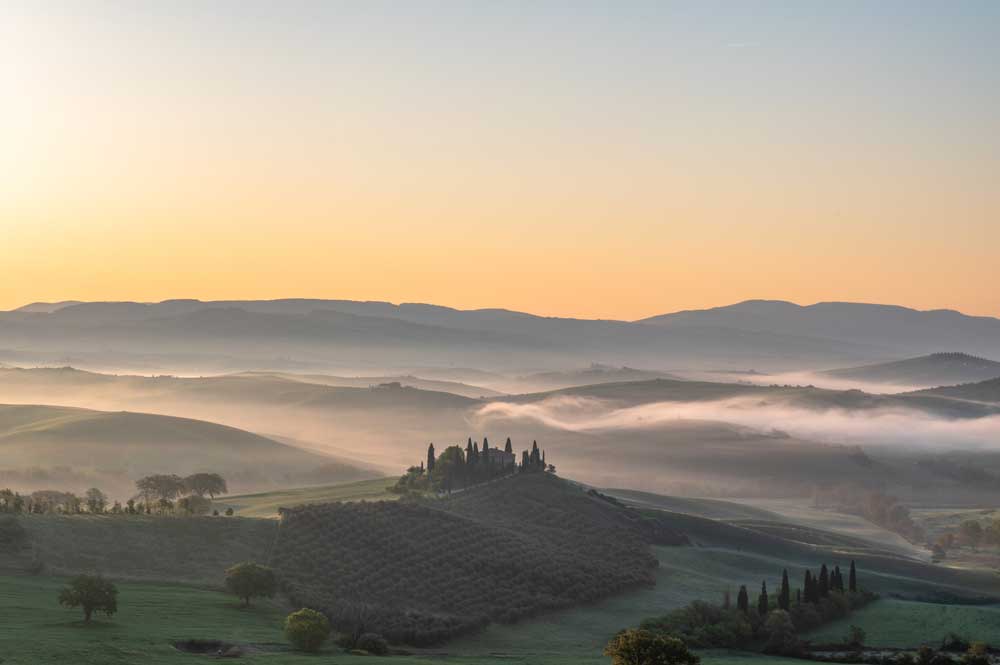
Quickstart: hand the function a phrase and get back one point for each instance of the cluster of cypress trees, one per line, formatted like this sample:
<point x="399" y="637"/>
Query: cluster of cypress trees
<point x="814" y="588"/>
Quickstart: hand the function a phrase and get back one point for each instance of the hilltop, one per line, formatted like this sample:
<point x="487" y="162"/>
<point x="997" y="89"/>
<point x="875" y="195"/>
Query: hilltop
<point x="936" y="369"/>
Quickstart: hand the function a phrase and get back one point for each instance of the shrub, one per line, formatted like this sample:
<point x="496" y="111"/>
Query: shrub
<point x="704" y="625"/>
<point x="855" y="636"/>
<point x="978" y="654"/>
<point x="631" y="646"/>
<point x="249" y="580"/>
<point x="780" y="631"/>
<point x="92" y="593"/>
<point x="307" y="629"/>
<point x="372" y="643"/>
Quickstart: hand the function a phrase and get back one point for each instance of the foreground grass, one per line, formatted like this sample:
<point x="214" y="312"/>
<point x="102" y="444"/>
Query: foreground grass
<point x="903" y="623"/>
<point x="266" y="504"/>
<point x="35" y="630"/>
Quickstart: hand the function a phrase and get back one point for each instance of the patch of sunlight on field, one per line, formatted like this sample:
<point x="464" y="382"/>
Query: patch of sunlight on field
<point x="266" y="504"/>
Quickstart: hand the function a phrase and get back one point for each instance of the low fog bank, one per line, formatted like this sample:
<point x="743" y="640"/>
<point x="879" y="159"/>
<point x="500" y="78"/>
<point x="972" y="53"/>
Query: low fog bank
<point x="882" y="427"/>
<point x="805" y="379"/>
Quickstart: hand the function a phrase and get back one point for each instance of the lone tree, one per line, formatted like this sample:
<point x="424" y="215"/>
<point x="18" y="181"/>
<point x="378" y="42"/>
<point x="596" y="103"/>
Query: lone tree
<point x="92" y="593"/>
<point x="307" y="629"/>
<point x="206" y="483"/>
<point x="249" y="580"/>
<point x="642" y="647"/>
<point x="852" y="579"/>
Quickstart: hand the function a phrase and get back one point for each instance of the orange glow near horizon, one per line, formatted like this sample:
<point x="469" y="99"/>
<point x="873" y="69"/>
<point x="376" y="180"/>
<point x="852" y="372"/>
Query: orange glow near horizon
<point x="155" y="154"/>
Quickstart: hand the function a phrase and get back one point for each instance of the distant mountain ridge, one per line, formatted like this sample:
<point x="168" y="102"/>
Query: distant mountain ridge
<point x="770" y="335"/>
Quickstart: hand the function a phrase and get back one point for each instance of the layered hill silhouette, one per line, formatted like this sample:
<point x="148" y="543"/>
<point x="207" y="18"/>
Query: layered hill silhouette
<point x="324" y="333"/>
<point x="936" y="369"/>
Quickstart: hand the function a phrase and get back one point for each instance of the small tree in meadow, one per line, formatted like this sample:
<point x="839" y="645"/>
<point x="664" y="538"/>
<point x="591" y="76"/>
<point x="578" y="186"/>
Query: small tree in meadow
<point x="307" y="629"/>
<point x="641" y="647"/>
<point x="249" y="580"/>
<point x="92" y="593"/>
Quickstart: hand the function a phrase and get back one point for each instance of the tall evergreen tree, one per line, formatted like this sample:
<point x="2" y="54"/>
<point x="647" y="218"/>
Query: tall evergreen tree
<point x="807" y="588"/>
<point x="430" y="458"/>
<point x="468" y="453"/>
<point x="837" y="580"/>
<point x="852" y="579"/>
<point x="508" y="448"/>
<point x="743" y="600"/>
<point x="824" y="582"/>
<point x="785" y="594"/>
<point x="762" y="599"/>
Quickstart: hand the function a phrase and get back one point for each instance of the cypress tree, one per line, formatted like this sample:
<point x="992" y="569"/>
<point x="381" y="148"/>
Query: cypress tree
<point x="807" y="588"/>
<point x="430" y="458"/>
<point x="486" y="445"/>
<point x="838" y="579"/>
<point x="852" y="579"/>
<point x="785" y="595"/>
<point x="743" y="600"/>
<point x="468" y="452"/>
<point x="824" y="582"/>
<point x="508" y="448"/>
<point x="762" y="599"/>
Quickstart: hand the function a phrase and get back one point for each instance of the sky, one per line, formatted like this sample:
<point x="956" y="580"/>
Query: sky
<point x="598" y="159"/>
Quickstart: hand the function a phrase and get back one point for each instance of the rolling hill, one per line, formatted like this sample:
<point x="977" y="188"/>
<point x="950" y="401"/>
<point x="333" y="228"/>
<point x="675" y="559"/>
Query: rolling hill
<point x="983" y="391"/>
<point x="45" y="447"/>
<point x="936" y="369"/>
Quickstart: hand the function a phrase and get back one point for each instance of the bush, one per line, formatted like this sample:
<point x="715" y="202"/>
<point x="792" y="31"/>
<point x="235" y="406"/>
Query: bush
<point x="978" y="654"/>
<point x="704" y="625"/>
<point x="855" y="636"/>
<point x="372" y="643"/>
<point x="641" y="646"/>
<point x="780" y="631"/>
<point x="307" y="629"/>
<point x="249" y="580"/>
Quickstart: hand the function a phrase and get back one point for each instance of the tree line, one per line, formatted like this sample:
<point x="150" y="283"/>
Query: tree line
<point x="775" y="620"/>
<point x="158" y="494"/>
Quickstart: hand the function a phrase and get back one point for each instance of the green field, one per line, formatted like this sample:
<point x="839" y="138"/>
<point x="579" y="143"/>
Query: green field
<point x="35" y="630"/>
<point x="266" y="504"/>
<point x="903" y="623"/>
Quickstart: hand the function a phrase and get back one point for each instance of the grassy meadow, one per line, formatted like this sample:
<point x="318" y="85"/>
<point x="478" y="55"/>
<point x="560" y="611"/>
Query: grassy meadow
<point x="35" y="630"/>
<point x="902" y="623"/>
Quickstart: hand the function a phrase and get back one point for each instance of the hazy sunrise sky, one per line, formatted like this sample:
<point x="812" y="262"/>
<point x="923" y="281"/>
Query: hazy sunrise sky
<point x="612" y="159"/>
